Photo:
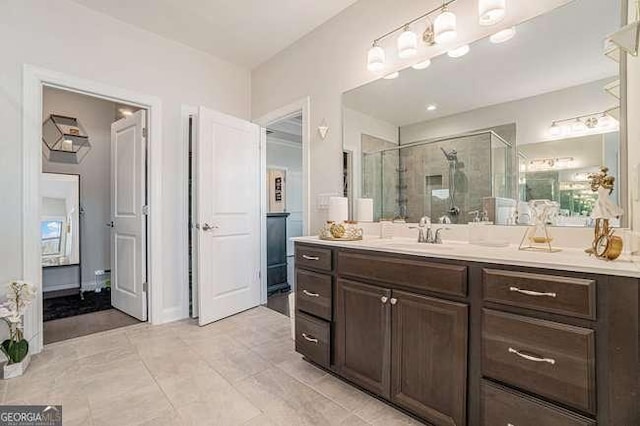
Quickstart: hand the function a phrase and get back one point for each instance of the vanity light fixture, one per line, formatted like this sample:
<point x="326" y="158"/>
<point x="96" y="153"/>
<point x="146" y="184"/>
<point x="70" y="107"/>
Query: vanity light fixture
<point x="578" y="126"/>
<point x="442" y="30"/>
<point x="555" y="130"/>
<point x="432" y="107"/>
<point x="392" y="76"/>
<point x="422" y="65"/>
<point x="375" y="58"/>
<point x="491" y="12"/>
<point x="459" y="52"/>
<point x="598" y="122"/>
<point x="502" y="36"/>
<point x="407" y="43"/>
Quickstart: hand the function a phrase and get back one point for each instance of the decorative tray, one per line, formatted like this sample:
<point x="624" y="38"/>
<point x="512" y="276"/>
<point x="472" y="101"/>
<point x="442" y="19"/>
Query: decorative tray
<point x="332" y="238"/>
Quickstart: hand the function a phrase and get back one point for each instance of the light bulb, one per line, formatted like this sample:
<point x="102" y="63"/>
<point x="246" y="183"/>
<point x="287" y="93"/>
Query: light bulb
<point x="392" y="76"/>
<point x="432" y="107"/>
<point x="491" y="11"/>
<point x="459" y="52"/>
<point x="422" y="65"/>
<point x="444" y="27"/>
<point x="502" y="36"/>
<point x="407" y="43"/>
<point x="375" y="58"/>
<point x="555" y="130"/>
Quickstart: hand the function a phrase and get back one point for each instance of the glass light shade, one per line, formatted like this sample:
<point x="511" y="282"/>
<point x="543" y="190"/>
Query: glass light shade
<point x="407" y="44"/>
<point x="444" y="27"/>
<point x="392" y="76"/>
<point x="606" y="121"/>
<point x="502" y="36"/>
<point x="459" y="52"/>
<point x="375" y="59"/>
<point x="555" y="130"/>
<point x="491" y="11"/>
<point x="422" y="65"/>
<point x="578" y="126"/>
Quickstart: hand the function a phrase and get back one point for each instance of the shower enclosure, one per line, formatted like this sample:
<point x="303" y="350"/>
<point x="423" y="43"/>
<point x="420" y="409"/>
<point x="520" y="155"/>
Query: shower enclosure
<point x="444" y="179"/>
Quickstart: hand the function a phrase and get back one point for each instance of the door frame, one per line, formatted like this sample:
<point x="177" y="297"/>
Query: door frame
<point x="34" y="79"/>
<point x="303" y="106"/>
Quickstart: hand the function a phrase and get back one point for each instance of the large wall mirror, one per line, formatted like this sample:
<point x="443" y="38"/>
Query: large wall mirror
<point x="509" y="122"/>
<point x="60" y="219"/>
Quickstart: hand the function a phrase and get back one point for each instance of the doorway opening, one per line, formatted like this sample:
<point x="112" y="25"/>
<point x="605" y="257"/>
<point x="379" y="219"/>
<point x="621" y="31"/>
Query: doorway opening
<point x="93" y="225"/>
<point x="285" y="207"/>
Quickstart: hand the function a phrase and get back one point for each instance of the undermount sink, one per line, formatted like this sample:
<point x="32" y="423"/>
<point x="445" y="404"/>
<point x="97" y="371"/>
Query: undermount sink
<point x="418" y="246"/>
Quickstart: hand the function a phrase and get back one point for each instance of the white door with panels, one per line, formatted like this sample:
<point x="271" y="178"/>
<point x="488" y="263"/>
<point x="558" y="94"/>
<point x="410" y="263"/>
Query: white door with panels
<point x="227" y="215"/>
<point x="128" y="215"/>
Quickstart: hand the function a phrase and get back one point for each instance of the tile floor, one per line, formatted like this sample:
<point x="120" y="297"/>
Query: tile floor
<point x="239" y="371"/>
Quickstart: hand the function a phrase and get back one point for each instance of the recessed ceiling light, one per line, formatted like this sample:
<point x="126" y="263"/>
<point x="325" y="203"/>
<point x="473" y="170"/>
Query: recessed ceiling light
<point x="392" y="76"/>
<point x="459" y="52"/>
<point x="502" y="36"/>
<point x="421" y="65"/>
<point x="432" y="107"/>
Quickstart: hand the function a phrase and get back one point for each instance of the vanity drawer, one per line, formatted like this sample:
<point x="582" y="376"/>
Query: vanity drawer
<point x="501" y="406"/>
<point x="550" y="359"/>
<point x="313" y="293"/>
<point x="410" y="274"/>
<point x="314" y="258"/>
<point x="560" y="295"/>
<point x="313" y="339"/>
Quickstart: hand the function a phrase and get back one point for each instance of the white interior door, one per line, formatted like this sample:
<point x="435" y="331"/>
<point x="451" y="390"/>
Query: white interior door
<point x="128" y="226"/>
<point x="228" y="215"/>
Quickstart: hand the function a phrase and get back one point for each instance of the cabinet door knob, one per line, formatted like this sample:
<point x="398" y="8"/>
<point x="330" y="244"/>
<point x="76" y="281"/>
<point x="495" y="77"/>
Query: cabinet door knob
<point x="393" y="301"/>
<point x="384" y="299"/>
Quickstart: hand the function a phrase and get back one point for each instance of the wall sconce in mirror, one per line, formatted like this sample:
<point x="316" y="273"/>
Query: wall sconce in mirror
<point x="64" y="139"/>
<point x="323" y="129"/>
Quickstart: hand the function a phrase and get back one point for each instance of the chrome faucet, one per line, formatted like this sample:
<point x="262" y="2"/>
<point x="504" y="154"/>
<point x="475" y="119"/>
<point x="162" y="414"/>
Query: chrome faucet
<point x="438" y="238"/>
<point x="425" y="234"/>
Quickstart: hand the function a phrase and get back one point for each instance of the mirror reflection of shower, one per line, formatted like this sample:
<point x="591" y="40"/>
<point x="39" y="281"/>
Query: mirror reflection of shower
<point x="452" y="158"/>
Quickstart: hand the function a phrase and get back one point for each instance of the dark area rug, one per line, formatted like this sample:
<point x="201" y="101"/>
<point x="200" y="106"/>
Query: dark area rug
<point x="70" y="306"/>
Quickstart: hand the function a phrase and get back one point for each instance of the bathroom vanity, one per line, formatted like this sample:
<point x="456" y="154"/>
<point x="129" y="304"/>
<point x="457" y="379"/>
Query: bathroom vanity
<point x="469" y="336"/>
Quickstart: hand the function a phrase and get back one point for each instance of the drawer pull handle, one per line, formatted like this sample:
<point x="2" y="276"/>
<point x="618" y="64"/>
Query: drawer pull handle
<point x="308" y="293"/>
<point x="304" y="256"/>
<point x="531" y="293"/>
<point x="531" y="358"/>
<point x="309" y="339"/>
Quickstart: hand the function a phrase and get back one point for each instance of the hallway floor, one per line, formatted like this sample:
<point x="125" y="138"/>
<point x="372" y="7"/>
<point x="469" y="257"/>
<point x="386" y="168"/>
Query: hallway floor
<point x="239" y="371"/>
<point x="83" y="325"/>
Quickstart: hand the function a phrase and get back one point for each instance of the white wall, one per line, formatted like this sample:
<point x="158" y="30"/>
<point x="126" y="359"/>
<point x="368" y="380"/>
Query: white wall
<point x="63" y="36"/>
<point x="96" y="115"/>
<point x="332" y="59"/>
<point x="356" y="124"/>
<point x="532" y="116"/>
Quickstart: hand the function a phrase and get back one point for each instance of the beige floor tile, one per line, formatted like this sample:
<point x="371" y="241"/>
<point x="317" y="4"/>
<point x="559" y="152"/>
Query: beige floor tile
<point x="237" y="364"/>
<point x="342" y="393"/>
<point x="219" y="411"/>
<point x="353" y="420"/>
<point x="379" y="413"/>
<point x="302" y="370"/>
<point x="132" y="408"/>
<point x="260" y="420"/>
<point x="288" y="401"/>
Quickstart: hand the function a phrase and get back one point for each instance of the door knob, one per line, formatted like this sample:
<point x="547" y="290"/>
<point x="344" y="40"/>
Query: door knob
<point x="207" y="227"/>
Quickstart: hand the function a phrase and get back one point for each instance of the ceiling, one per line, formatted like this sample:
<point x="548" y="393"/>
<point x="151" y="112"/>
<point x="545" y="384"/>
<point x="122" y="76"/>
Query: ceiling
<point x="288" y="129"/>
<point x="245" y="32"/>
<point x="560" y="49"/>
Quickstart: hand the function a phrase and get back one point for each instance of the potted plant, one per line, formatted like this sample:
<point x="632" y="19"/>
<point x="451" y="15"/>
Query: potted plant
<point x="16" y="347"/>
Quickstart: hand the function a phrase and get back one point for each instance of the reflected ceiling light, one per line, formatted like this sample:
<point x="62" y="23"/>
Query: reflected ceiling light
<point x="375" y="58"/>
<point x="459" y="52"/>
<point x="606" y="120"/>
<point x="407" y="43"/>
<point x="555" y="130"/>
<point x="422" y="65"/>
<point x="504" y="35"/>
<point x="491" y="12"/>
<point x="444" y="27"/>
<point x="432" y="107"/>
<point x="578" y="126"/>
<point x="392" y="76"/>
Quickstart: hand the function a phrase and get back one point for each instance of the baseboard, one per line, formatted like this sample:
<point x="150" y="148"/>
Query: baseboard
<point x="59" y="287"/>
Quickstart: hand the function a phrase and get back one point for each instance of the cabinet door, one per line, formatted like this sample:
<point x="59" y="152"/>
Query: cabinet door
<point x="429" y="357"/>
<point x="363" y="343"/>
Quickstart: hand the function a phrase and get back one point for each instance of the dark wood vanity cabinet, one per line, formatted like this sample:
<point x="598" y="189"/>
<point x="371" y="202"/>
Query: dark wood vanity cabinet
<point x="464" y="343"/>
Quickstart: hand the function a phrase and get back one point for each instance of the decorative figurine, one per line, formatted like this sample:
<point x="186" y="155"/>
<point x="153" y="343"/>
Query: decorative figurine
<point x="605" y="245"/>
<point x="537" y="236"/>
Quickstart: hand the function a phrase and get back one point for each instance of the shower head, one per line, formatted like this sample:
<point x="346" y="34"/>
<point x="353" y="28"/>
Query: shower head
<point x="451" y="155"/>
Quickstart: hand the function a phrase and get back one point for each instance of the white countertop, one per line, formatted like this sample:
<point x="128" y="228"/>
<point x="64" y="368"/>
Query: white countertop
<point x="568" y="259"/>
